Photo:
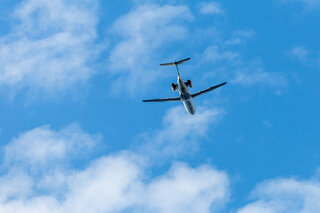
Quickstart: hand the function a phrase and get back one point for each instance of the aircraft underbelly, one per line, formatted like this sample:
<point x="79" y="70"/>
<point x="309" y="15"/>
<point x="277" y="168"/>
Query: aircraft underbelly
<point x="190" y="107"/>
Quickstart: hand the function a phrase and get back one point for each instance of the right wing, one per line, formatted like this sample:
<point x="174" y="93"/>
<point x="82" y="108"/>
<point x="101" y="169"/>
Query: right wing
<point x="207" y="90"/>
<point x="162" y="100"/>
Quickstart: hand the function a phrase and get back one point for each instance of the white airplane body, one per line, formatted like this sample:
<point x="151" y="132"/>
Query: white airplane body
<point x="182" y="87"/>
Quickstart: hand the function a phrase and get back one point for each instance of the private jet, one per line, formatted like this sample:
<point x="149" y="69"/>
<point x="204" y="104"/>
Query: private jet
<point x="182" y="87"/>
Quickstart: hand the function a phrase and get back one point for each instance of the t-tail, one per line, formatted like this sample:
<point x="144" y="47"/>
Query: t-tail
<point x="176" y="63"/>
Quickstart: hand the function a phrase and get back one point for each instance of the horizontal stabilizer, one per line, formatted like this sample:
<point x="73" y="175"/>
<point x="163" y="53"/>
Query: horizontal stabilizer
<point x="175" y="63"/>
<point x="163" y="100"/>
<point x="207" y="90"/>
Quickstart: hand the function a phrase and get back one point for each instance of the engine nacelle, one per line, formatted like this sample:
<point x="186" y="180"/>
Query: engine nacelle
<point x="174" y="87"/>
<point x="189" y="83"/>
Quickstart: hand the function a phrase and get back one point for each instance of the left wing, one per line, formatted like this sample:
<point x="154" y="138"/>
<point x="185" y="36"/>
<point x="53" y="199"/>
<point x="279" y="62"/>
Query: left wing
<point x="163" y="100"/>
<point x="207" y="90"/>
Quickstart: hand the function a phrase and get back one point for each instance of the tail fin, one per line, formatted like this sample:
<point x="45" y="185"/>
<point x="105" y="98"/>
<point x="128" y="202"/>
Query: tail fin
<point x="175" y="63"/>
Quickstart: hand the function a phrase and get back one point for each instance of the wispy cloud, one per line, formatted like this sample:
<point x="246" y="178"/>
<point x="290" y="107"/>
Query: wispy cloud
<point x="256" y="75"/>
<point x="224" y="58"/>
<point x="310" y="4"/>
<point x="304" y="55"/>
<point x="143" y="31"/>
<point x="175" y="138"/>
<point x="240" y="37"/>
<point x="212" y="8"/>
<point x="240" y="71"/>
<point x="50" y="47"/>
<point x="215" y="54"/>
<point x="300" y="53"/>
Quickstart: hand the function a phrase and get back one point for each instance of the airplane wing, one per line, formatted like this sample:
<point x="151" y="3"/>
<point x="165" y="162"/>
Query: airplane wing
<point x="175" y="63"/>
<point x="163" y="100"/>
<point x="207" y="90"/>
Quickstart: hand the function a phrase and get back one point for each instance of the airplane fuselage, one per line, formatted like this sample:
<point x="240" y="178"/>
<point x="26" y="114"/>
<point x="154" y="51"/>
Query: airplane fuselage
<point x="185" y="96"/>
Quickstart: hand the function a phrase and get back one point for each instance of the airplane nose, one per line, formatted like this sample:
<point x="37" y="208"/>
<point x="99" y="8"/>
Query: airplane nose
<point x="192" y="111"/>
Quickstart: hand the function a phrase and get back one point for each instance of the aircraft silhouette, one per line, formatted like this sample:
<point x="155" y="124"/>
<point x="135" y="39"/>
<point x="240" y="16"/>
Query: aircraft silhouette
<point x="182" y="87"/>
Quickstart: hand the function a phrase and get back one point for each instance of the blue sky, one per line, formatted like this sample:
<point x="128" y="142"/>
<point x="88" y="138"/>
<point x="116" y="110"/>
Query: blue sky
<point x="75" y="136"/>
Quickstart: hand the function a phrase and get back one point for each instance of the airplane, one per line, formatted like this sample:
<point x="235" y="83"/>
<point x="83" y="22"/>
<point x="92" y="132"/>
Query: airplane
<point x="182" y="87"/>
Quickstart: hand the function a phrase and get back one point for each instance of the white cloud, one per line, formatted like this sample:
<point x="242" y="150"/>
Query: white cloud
<point x="241" y="72"/>
<point x="285" y="195"/>
<point x="299" y="52"/>
<point x="115" y="184"/>
<point x="41" y="146"/>
<point x="254" y="74"/>
<point x="50" y="47"/>
<point x="180" y="132"/>
<point x="107" y="185"/>
<point x="304" y="56"/>
<point x="248" y="77"/>
<point x="213" y="8"/>
<point x="143" y="32"/>
<point x="15" y="185"/>
<point x="240" y="37"/>
<point x="112" y="183"/>
<point x="190" y="190"/>
<point x="214" y="54"/>
<point x="228" y="62"/>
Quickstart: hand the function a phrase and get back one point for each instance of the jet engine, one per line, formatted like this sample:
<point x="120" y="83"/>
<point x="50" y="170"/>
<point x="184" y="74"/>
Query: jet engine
<point x="174" y="87"/>
<point x="189" y="83"/>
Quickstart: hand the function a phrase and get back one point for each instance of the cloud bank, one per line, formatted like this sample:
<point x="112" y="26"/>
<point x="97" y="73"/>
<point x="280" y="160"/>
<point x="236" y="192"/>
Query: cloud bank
<point x="38" y="177"/>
